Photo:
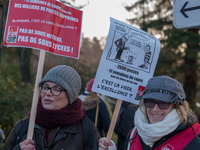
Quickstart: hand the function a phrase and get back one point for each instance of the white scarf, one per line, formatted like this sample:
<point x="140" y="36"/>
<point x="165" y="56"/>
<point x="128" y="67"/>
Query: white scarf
<point x="150" y="133"/>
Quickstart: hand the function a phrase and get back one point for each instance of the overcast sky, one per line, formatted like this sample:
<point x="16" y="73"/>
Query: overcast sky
<point x="96" y="16"/>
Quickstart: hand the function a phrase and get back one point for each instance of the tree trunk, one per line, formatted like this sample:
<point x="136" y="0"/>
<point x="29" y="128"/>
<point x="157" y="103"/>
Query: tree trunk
<point x="190" y="82"/>
<point x="24" y="55"/>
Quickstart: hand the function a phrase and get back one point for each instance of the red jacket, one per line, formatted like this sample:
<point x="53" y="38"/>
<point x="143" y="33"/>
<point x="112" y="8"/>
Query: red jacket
<point x="180" y="141"/>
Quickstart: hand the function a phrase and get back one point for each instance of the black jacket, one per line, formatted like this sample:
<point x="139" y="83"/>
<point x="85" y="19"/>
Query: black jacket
<point x="66" y="138"/>
<point x="124" y="124"/>
<point x="103" y="121"/>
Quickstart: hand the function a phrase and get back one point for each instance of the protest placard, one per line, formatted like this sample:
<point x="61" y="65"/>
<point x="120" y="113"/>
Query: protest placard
<point x="127" y="63"/>
<point x="45" y="25"/>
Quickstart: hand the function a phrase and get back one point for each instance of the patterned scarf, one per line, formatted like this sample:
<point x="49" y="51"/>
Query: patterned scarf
<point x="67" y="116"/>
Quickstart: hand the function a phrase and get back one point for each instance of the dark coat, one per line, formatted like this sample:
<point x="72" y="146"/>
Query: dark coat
<point x="66" y="138"/>
<point x="103" y="121"/>
<point x="124" y="124"/>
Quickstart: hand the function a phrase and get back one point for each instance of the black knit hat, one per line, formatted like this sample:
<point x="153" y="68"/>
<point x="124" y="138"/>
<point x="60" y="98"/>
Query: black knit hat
<point x="67" y="78"/>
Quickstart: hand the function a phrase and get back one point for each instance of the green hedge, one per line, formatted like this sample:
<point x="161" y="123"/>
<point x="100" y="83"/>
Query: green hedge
<point x="15" y="102"/>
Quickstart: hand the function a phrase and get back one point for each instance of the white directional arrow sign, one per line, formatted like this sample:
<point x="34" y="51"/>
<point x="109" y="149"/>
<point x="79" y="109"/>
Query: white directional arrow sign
<point x="186" y="14"/>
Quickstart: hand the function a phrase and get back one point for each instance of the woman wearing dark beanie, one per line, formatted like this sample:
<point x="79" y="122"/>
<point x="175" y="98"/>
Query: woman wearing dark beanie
<point x="60" y="123"/>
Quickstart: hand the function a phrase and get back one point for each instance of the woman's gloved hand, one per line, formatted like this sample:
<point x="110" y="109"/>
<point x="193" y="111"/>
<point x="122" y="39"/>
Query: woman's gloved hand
<point x="106" y="144"/>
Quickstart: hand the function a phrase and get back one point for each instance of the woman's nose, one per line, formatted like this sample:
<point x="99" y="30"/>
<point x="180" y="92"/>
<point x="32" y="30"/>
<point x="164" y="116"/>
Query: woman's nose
<point x="49" y="92"/>
<point x="156" y="108"/>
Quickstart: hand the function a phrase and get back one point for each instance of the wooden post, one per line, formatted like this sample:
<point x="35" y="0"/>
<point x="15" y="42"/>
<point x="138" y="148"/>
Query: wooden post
<point x="114" y="119"/>
<point x="36" y="95"/>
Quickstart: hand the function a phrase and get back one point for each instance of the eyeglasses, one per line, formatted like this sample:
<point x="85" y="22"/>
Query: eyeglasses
<point x="54" y="90"/>
<point x="151" y="103"/>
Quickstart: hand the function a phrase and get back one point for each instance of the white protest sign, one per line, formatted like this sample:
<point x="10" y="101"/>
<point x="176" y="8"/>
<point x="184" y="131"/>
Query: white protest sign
<point x="128" y="61"/>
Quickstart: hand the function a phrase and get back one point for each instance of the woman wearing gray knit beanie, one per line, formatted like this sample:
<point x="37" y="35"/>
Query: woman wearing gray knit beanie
<point x="60" y="122"/>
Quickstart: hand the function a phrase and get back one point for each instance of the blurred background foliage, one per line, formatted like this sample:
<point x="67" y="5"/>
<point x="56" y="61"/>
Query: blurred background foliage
<point x="16" y="99"/>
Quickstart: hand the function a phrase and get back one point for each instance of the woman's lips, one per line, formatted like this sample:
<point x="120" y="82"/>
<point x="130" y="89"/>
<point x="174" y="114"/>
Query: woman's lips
<point x="48" y="101"/>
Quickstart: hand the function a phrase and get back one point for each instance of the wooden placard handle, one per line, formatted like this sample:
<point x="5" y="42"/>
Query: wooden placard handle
<point x="36" y="95"/>
<point x="114" y="119"/>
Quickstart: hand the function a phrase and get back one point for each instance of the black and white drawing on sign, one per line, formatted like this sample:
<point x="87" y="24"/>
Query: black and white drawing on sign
<point x="147" y="57"/>
<point x="120" y="43"/>
<point x="132" y="48"/>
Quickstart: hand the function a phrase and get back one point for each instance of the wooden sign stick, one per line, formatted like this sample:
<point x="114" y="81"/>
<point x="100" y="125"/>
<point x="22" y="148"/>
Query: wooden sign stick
<point x="36" y="95"/>
<point x="114" y="119"/>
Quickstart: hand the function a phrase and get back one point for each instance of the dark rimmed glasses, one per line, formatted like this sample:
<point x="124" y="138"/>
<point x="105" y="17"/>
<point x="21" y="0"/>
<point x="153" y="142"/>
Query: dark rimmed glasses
<point x="151" y="104"/>
<point x="54" y="90"/>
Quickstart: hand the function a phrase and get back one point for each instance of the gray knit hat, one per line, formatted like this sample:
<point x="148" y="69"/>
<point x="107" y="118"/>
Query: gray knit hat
<point x="67" y="78"/>
<point x="165" y="89"/>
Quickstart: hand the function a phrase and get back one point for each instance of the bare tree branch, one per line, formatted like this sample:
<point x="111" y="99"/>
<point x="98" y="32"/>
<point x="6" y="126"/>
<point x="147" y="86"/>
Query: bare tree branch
<point x="72" y="3"/>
